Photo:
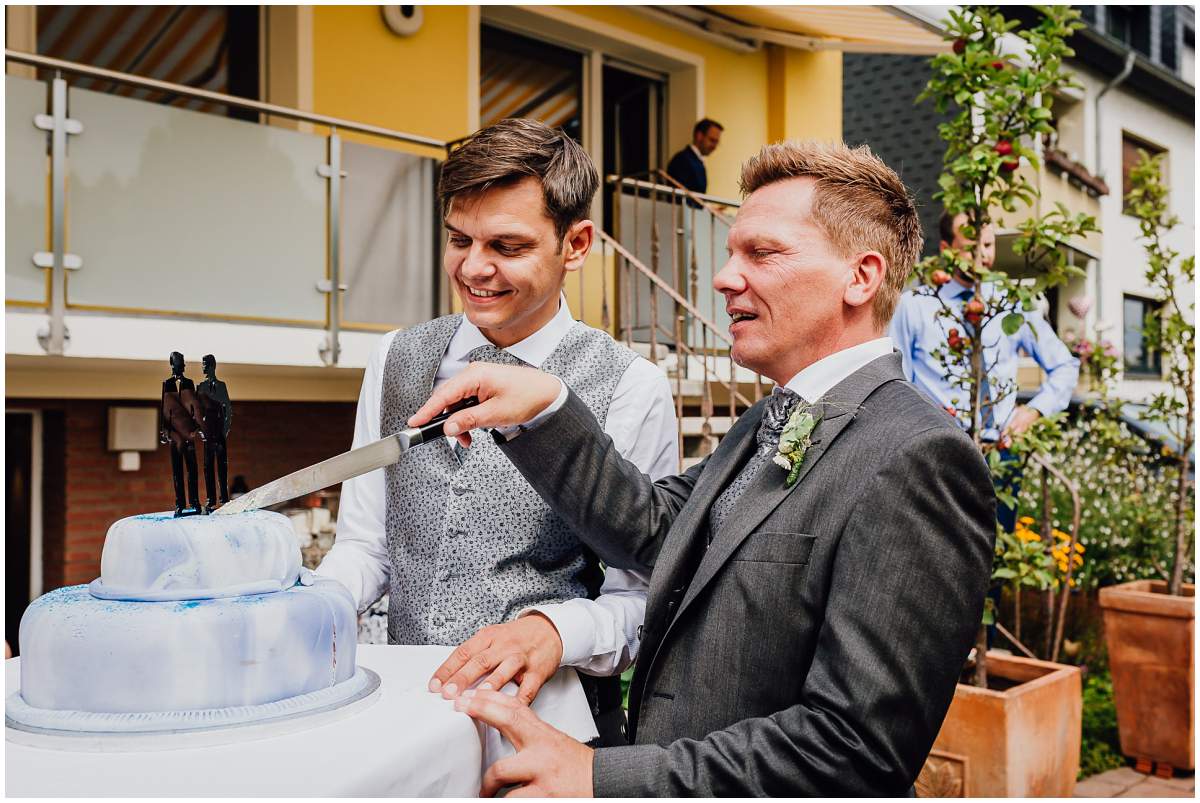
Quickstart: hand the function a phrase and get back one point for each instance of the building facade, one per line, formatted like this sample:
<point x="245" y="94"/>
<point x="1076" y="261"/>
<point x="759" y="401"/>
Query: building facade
<point x="256" y="183"/>
<point x="1101" y="125"/>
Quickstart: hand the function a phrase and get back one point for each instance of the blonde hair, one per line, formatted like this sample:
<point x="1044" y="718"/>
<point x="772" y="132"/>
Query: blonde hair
<point x="859" y="202"/>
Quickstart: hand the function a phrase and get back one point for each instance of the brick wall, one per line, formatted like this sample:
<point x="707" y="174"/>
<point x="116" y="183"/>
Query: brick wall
<point x="85" y="492"/>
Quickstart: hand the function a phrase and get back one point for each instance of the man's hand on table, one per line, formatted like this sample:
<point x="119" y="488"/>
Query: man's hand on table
<point x="548" y="763"/>
<point x="508" y="396"/>
<point x="527" y="649"/>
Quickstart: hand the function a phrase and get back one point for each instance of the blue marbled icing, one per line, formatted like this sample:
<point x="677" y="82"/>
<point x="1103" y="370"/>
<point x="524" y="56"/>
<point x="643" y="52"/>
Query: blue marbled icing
<point x="88" y="654"/>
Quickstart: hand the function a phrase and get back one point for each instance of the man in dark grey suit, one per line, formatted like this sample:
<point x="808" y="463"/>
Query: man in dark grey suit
<point x="814" y="595"/>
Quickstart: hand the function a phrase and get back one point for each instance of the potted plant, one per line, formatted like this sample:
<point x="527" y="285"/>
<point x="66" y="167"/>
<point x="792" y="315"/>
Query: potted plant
<point x="1149" y="624"/>
<point x="1016" y="721"/>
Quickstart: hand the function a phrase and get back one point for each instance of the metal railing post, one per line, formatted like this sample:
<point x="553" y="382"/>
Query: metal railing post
<point x="54" y="337"/>
<point x="331" y="350"/>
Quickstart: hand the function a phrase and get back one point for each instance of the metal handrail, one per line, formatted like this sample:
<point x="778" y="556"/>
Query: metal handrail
<point x="696" y="198"/>
<point x="662" y="285"/>
<point x="684" y="304"/>
<point x="272" y="109"/>
<point x="666" y="189"/>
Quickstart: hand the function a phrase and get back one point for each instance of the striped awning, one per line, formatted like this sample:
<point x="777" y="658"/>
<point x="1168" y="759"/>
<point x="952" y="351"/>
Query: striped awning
<point x="180" y="44"/>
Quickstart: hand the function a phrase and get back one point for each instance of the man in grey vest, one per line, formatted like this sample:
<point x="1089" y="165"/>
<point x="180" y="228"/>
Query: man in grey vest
<point x="818" y="580"/>
<point x="464" y="547"/>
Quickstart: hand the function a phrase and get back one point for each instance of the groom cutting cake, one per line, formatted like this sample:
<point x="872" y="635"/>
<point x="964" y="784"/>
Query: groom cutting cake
<point x="819" y="578"/>
<point x="466" y="549"/>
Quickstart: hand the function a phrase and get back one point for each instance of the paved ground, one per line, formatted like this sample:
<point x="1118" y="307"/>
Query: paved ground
<point x="1126" y="782"/>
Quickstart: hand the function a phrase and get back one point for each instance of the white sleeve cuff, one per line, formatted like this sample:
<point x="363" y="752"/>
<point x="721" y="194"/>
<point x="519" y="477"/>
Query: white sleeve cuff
<point x="575" y="629"/>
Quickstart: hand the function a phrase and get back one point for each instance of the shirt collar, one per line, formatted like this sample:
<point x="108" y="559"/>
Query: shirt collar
<point x="816" y="380"/>
<point x="696" y="151"/>
<point x="533" y="350"/>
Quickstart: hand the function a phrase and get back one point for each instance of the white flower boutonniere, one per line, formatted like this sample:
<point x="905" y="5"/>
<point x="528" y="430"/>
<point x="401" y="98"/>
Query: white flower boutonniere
<point x="795" y="441"/>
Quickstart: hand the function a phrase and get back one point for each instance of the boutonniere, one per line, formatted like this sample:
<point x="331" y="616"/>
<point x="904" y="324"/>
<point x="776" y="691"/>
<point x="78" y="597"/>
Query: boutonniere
<point x="795" y="441"/>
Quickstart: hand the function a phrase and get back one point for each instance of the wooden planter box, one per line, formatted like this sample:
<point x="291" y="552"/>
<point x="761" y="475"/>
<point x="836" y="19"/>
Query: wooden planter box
<point x="1023" y="741"/>
<point x="1150" y="636"/>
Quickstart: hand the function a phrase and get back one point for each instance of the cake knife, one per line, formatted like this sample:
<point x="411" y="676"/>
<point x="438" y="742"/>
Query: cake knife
<point x="347" y="465"/>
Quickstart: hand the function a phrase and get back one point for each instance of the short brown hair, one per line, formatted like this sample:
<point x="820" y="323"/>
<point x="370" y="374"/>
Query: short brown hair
<point x="512" y="149"/>
<point x="859" y="202"/>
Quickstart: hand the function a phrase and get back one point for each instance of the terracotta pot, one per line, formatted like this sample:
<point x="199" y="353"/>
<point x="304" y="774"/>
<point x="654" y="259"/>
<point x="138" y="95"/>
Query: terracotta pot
<point x="1150" y="636"/>
<point x="1022" y="741"/>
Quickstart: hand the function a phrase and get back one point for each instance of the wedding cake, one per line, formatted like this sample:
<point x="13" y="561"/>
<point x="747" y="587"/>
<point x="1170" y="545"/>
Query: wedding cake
<point x="194" y="622"/>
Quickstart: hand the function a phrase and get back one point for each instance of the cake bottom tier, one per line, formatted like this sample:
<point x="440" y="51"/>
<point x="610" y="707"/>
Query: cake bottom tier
<point x="80" y="653"/>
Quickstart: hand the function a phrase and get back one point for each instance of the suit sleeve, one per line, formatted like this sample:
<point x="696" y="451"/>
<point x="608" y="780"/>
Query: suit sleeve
<point x="909" y="574"/>
<point x="607" y="500"/>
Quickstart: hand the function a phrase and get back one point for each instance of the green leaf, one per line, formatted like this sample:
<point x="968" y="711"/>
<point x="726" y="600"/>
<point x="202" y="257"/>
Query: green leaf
<point x="1012" y="323"/>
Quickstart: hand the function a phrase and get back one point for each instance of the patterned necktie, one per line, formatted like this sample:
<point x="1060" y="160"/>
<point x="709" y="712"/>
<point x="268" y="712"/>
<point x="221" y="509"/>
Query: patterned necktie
<point x="486" y="353"/>
<point x="775" y="415"/>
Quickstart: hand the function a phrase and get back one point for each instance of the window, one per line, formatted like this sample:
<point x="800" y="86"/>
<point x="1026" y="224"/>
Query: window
<point x="1130" y="146"/>
<point x="523" y="77"/>
<point x="206" y="47"/>
<point x="1130" y="25"/>
<point x="1138" y="360"/>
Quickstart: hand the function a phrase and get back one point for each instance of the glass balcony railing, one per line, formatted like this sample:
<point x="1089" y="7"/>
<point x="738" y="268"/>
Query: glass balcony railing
<point x="125" y="207"/>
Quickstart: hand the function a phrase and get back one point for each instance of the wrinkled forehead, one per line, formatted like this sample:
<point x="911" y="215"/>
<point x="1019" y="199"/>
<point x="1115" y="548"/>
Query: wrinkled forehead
<point x="781" y="210"/>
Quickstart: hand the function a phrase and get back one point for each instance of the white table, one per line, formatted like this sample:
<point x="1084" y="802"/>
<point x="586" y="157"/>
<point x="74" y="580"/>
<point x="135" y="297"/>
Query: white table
<point x="408" y="742"/>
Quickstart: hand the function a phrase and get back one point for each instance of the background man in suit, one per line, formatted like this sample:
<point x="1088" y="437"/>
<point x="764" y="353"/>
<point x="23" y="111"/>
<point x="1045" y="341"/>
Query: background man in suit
<point x="805" y="628"/>
<point x="687" y="166"/>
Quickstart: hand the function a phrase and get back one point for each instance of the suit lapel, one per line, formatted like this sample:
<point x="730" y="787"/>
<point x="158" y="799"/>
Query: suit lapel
<point x="680" y="551"/>
<point x="838" y="408"/>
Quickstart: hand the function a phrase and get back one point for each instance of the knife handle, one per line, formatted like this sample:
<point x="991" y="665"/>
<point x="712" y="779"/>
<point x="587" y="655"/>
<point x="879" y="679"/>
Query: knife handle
<point x="433" y="429"/>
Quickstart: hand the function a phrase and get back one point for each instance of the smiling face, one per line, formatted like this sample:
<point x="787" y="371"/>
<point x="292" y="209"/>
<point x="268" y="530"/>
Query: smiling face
<point x="506" y="262"/>
<point x="792" y="297"/>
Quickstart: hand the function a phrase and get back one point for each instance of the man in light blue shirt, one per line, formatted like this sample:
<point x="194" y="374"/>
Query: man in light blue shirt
<point x="917" y="330"/>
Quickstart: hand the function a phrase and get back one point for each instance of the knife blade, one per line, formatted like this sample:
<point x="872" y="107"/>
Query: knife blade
<point x="347" y="465"/>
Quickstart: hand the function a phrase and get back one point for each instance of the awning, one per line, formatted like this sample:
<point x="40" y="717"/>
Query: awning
<point x="856" y="29"/>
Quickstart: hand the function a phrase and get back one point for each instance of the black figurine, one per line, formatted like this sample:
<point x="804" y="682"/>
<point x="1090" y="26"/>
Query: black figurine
<point x="178" y="425"/>
<point x="217" y="415"/>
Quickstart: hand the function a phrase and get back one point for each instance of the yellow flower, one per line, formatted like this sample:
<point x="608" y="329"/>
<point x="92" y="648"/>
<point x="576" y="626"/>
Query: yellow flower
<point x="1026" y="520"/>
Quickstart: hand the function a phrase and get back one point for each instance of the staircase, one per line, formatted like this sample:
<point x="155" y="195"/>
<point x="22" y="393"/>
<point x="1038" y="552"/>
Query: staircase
<point x="667" y="245"/>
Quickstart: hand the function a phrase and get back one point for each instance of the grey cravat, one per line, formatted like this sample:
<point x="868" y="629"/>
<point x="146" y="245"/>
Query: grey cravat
<point x="775" y="415"/>
<point x="487" y="353"/>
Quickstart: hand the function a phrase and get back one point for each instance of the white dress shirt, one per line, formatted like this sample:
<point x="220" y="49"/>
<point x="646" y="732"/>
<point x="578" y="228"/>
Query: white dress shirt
<point x="598" y="636"/>
<point x="819" y="378"/>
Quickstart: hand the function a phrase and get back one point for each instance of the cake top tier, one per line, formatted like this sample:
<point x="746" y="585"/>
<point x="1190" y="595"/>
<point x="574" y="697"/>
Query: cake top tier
<point x="156" y="557"/>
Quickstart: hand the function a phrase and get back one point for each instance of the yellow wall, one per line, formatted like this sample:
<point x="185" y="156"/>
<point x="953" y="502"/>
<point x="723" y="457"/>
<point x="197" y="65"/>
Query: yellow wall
<point x="805" y="94"/>
<point x="735" y="92"/>
<point x="420" y="84"/>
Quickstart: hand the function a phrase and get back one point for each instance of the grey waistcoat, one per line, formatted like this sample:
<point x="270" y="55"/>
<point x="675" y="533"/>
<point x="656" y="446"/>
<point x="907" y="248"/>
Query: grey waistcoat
<point x="471" y="544"/>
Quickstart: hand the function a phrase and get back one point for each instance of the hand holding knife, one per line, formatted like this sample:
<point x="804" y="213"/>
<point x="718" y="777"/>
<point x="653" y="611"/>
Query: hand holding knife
<point x="345" y="466"/>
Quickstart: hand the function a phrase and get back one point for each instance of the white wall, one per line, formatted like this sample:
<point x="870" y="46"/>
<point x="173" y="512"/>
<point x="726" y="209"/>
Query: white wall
<point x="1123" y="262"/>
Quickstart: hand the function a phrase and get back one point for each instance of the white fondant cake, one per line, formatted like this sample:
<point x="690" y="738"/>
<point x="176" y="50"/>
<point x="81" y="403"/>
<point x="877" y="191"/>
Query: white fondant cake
<point x="198" y="615"/>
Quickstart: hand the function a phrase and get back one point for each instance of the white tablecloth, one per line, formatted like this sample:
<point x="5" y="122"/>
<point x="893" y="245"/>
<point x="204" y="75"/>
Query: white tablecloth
<point x="408" y="742"/>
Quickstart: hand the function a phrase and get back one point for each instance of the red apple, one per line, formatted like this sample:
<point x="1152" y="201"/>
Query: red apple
<point x="998" y="65"/>
<point x="959" y="46"/>
<point x="1009" y="166"/>
<point x="940" y="277"/>
<point x="953" y="413"/>
<point x="1003" y="147"/>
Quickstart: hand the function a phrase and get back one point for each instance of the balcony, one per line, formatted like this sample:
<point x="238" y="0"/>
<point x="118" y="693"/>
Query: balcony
<point x="277" y="247"/>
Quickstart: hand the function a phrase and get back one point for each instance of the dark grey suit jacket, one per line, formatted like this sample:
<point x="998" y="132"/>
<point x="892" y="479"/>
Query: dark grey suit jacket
<point x="814" y="647"/>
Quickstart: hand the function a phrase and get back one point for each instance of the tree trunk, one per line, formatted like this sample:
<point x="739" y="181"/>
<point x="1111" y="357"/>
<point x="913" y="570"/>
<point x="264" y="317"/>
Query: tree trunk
<point x="1182" y="530"/>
